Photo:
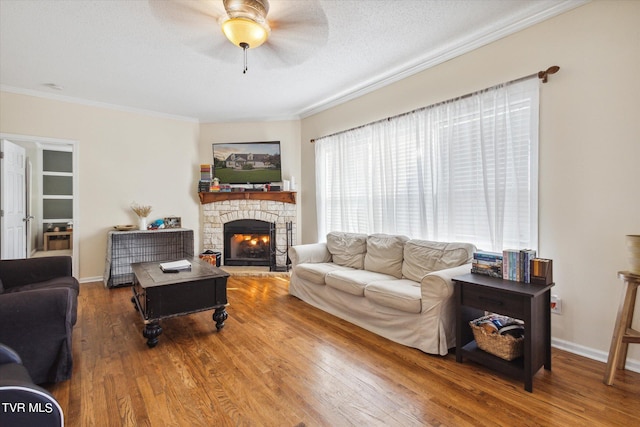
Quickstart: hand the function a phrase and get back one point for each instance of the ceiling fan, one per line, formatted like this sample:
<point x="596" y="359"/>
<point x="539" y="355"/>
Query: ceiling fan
<point x="288" y="31"/>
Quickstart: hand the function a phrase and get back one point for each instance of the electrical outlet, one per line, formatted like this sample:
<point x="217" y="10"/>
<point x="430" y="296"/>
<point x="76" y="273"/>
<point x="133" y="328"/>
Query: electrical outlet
<point x="556" y="304"/>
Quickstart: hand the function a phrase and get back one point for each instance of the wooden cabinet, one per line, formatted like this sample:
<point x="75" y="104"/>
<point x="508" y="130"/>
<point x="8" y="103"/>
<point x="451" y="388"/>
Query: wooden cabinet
<point x="475" y="294"/>
<point x="56" y="240"/>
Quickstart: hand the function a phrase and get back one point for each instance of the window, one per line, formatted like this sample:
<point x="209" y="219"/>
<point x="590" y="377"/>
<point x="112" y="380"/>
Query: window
<point x="463" y="170"/>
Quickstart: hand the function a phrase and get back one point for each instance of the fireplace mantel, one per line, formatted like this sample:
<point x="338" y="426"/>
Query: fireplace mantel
<point x="275" y="196"/>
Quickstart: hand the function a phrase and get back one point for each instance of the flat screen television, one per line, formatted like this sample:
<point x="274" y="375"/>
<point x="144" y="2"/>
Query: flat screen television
<point x="247" y="162"/>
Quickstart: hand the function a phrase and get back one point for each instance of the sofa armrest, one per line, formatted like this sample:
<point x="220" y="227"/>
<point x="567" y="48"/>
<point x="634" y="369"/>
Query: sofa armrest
<point x="438" y="284"/>
<point x="8" y="355"/>
<point x="17" y="388"/>
<point x="312" y="252"/>
<point x="40" y="312"/>
<point x="37" y="324"/>
<point x="20" y="272"/>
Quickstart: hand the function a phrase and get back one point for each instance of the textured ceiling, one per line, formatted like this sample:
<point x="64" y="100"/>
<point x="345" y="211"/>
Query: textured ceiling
<point x="170" y="57"/>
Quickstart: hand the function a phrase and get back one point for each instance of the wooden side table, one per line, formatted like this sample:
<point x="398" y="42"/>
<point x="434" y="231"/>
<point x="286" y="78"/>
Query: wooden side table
<point x="49" y="234"/>
<point x="623" y="335"/>
<point x="476" y="293"/>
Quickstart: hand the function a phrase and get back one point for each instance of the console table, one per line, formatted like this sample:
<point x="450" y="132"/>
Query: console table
<point x="476" y="293"/>
<point x="127" y="247"/>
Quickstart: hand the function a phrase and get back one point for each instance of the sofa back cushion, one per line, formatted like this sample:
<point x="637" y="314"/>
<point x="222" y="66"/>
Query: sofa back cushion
<point x="422" y="257"/>
<point x="384" y="254"/>
<point x="347" y="249"/>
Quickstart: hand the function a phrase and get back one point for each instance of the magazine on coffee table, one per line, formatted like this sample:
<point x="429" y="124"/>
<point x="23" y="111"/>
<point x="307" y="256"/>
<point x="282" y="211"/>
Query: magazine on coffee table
<point x="174" y="266"/>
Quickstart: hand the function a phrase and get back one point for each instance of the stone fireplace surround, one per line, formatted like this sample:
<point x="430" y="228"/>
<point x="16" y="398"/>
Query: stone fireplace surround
<point x="218" y="213"/>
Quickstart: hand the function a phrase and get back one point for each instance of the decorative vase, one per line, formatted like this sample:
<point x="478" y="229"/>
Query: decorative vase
<point x="142" y="223"/>
<point x="633" y="253"/>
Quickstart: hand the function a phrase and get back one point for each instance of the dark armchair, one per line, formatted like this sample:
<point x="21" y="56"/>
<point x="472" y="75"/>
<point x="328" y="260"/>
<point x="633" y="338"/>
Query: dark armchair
<point x="22" y="403"/>
<point x="38" y="308"/>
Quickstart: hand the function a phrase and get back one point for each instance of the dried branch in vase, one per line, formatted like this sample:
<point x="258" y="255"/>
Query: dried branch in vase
<point x="142" y="211"/>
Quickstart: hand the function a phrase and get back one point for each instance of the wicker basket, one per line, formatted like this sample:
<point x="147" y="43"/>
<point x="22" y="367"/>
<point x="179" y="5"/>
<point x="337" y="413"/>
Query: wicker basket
<point x="505" y="347"/>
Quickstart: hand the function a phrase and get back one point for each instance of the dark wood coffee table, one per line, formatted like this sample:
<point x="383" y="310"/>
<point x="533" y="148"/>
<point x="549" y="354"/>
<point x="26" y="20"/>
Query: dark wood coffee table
<point x="158" y="295"/>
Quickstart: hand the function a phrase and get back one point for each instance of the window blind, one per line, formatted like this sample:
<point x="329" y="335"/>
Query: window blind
<point x="462" y="170"/>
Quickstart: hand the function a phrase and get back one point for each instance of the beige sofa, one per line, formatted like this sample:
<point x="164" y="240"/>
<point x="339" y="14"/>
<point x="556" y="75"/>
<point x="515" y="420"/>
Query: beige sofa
<point x="396" y="287"/>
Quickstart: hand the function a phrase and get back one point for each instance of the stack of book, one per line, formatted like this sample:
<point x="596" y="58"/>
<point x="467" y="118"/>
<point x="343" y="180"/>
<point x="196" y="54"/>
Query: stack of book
<point x="487" y="263"/>
<point x="520" y="265"/>
<point x="517" y="264"/>
<point x="175" y="266"/>
<point x="206" y="172"/>
<point x="206" y="176"/>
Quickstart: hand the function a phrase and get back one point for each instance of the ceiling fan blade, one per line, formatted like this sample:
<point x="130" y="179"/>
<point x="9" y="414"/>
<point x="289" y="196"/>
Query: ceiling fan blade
<point x="187" y="12"/>
<point x="279" y="55"/>
<point x="298" y="29"/>
<point x="196" y="25"/>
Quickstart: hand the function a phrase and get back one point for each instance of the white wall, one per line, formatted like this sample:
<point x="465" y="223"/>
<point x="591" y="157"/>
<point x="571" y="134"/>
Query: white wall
<point x="124" y="157"/>
<point x="589" y="150"/>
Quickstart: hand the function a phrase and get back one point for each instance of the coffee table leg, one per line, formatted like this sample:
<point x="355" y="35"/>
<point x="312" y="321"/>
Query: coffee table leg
<point x="219" y="316"/>
<point x="151" y="332"/>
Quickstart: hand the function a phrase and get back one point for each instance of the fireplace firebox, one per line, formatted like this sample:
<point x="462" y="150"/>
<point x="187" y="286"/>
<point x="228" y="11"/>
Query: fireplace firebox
<point x="250" y="242"/>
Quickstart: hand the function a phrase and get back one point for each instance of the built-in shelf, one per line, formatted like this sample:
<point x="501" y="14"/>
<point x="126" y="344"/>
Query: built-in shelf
<point x="274" y="196"/>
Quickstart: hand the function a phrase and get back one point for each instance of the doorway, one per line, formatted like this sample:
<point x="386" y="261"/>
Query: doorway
<point x="50" y="193"/>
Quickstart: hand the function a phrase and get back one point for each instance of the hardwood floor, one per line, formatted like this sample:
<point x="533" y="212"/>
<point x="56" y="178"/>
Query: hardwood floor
<point x="281" y="362"/>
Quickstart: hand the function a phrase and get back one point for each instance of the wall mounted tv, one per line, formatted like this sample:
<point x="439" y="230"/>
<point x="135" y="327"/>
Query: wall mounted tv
<point x="247" y="162"/>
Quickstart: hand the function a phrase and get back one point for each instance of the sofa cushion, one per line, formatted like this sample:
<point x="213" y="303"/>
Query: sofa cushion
<point x="401" y="294"/>
<point x="422" y="257"/>
<point x="316" y="272"/>
<point x="384" y="254"/>
<point x="347" y="249"/>
<point x="353" y="281"/>
<point x="58" y="282"/>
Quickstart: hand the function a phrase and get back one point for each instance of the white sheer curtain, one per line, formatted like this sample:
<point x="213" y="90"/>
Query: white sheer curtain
<point x="463" y="170"/>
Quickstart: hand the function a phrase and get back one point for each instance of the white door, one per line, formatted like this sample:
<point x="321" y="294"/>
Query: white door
<point x="13" y="203"/>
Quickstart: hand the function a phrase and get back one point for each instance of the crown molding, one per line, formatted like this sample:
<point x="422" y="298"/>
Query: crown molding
<point x="464" y="46"/>
<point x="250" y="119"/>
<point x="89" y="103"/>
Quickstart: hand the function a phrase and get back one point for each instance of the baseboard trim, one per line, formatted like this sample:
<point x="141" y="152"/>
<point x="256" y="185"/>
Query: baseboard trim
<point x="601" y="356"/>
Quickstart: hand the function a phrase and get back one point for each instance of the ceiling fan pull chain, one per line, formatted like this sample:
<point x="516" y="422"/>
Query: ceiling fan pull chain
<point x="245" y="47"/>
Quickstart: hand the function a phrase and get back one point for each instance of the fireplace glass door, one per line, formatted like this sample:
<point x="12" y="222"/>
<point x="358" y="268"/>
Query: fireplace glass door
<point x="249" y="242"/>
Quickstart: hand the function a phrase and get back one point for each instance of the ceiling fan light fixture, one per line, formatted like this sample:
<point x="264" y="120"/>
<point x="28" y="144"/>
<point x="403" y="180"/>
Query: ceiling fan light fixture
<point x="245" y="30"/>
